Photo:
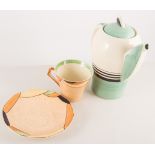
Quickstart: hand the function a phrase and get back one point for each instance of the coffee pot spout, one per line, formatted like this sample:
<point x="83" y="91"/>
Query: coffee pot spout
<point x="132" y="60"/>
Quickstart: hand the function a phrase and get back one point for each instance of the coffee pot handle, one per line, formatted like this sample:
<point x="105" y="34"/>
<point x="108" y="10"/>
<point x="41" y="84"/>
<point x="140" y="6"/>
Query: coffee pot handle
<point x="51" y="73"/>
<point x="132" y="60"/>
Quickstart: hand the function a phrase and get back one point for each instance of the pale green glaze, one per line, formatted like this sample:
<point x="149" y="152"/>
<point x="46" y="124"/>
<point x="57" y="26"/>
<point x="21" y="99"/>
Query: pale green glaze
<point x="107" y="90"/>
<point x="115" y="30"/>
<point x="130" y="61"/>
<point x="49" y="92"/>
<point x="73" y="61"/>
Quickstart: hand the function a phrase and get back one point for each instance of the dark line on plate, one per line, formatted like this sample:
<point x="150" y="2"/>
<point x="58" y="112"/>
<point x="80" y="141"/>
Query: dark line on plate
<point x="6" y="119"/>
<point x="63" y="99"/>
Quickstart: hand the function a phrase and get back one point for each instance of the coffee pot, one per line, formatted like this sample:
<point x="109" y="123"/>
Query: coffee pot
<point x="117" y="52"/>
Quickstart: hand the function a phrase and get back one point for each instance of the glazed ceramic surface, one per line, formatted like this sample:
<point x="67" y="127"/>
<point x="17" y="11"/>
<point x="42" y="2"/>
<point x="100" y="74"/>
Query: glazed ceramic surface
<point x="117" y="52"/>
<point x="37" y="113"/>
<point x="108" y="52"/>
<point x="72" y="76"/>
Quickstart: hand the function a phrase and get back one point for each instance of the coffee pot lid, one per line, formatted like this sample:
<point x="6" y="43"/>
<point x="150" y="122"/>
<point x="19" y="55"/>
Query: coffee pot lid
<point x="119" y="30"/>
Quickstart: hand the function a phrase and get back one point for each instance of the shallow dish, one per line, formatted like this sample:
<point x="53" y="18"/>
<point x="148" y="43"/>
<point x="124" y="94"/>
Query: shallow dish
<point x="38" y="113"/>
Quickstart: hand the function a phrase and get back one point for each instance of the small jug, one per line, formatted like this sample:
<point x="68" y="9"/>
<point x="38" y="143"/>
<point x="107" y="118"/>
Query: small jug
<point x="117" y="51"/>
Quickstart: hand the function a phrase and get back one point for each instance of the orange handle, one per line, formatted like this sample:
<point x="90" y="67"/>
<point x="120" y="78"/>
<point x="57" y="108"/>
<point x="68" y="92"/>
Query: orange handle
<point x="51" y="73"/>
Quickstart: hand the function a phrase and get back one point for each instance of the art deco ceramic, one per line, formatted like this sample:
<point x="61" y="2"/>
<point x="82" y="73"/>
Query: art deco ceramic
<point x="117" y="51"/>
<point x="38" y="113"/>
<point x="72" y="76"/>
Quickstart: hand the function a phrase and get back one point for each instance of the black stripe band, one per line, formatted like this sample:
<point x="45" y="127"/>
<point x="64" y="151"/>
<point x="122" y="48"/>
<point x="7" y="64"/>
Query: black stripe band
<point x="104" y="72"/>
<point x="108" y="77"/>
<point x="103" y="78"/>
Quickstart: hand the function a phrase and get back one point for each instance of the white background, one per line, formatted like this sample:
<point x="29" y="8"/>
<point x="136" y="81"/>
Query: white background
<point x="46" y="37"/>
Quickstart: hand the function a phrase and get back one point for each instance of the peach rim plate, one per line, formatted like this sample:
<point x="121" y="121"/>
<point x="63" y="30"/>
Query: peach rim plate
<point x="37" y="113"/>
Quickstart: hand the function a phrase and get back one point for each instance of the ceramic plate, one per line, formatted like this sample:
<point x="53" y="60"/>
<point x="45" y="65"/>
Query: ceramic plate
<point x="37" y="113"/>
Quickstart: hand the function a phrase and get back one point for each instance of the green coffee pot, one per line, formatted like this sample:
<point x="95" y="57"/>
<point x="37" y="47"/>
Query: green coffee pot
<point x="118" y="52"/>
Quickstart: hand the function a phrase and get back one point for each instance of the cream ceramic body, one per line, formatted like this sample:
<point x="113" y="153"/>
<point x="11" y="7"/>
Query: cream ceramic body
<point x="117" y="53"/>
<point x="109" y="52"/>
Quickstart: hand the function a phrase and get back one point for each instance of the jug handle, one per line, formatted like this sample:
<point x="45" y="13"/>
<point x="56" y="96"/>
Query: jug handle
<point x="51" y="73"/>
<point x="131" y="60"/>
<point x="97" y="27"/>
